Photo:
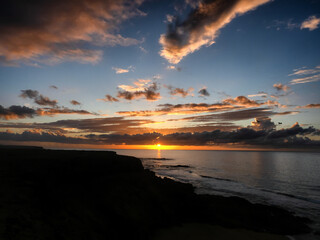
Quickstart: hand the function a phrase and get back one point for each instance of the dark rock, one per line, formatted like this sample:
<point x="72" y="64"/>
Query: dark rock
<point x="46" y="194"/>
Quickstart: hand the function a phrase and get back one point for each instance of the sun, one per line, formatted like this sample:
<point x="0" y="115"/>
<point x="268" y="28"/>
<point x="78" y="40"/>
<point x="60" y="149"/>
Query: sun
<point x="159" y="145"/>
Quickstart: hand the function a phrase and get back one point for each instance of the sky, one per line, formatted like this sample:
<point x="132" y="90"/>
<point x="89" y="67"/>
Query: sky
<point x="212" y="74"/>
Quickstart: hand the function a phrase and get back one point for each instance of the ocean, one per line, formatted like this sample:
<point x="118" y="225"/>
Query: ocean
<point x="287" y="179"/>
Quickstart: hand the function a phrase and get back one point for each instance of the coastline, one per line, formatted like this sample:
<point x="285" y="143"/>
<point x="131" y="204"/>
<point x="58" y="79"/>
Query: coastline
<point x="59" y="194"/>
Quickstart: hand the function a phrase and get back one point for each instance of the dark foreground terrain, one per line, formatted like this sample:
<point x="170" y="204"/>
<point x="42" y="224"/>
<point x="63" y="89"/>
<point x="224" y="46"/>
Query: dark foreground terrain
<point x="48" y="194"/>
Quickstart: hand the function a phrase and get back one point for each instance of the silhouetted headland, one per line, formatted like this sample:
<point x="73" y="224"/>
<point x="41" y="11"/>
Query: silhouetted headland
<point x="56" y="194"/>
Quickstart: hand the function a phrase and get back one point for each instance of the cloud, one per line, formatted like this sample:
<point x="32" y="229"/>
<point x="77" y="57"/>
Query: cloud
<point x="172" y="67"/>
<point x="74" y="102"/>
<point x="38" y="98"/>
<point x="119" y="125"/>
<point x="201" y="27"/>
<point x="50" y="32"/>
<point x="246" y="102"/>
<point x="231" y="115"/>
<point x="309" y="75"/>
<point x="294" y="137"/>
<point x="281" y="87"/>
<point x="180" y="109"/>
<point x="194" y="108"/>
<point x="141" y="88"/>
<point x="39" y="136"/>
<point x="143" y="49"/>
<point x="314" y="78"/>
<point x="203" y="92"/>
<point x="61" y="110"/>
<point x="263" y="123"/>
<point x="310" y="23"/>
<point x="16" y="112"/>
<point x="108" y="98"/>
<point x="179" y="91"/>
<point x="305" y="71"/>
<point x="286" y="113"/>
<point x="312" y="105"/>
<point x="54" y="87"/>
<point x="123" y="70"/>
<point x="32" y="94"/>
<point x="260" y="94"/>
<point x="45" y="101"/>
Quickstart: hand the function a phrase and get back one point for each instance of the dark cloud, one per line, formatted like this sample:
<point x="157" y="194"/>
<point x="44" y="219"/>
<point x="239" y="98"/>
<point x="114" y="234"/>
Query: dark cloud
<point x="203" y="92"/>
<point x="61" y="110"/>
<point x="97" y="125"/>
<point x="39" y="136"/>
<point x="179" y="91"/>
<point x="232" y="115"/>
<point x="201" y="26"/>
<point x="50" y="31"/>
<point x="294" y="137"/>
<point x="74" y="102"/>
<point x="32" y="94"/>
<point x="45" y="101"/>
<point x="15" y="112"/>
<point x="38" y="98"/>
<point x="149" y="92"/>
<point x="108" y="98"/>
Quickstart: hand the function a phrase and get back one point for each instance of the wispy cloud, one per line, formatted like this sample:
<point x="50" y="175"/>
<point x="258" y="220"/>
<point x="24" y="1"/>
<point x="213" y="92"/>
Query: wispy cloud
<point x="286" y="24"/>
<point x="310" y="23"/>
<point x="172" y="67"/>
<point x="260" y="94"/>
<point x="201" y="27"/>
<point x="307" y="75"/>
<point x="312" y="105"/>
<point x="143" y="49"/>
<point x="123" y="70"/>
<point x="52" y="32"/>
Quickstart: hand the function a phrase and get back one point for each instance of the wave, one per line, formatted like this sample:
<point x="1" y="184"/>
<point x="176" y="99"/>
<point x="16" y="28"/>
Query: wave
<point x="292" y="196"/>
<point x="216" y="178"/>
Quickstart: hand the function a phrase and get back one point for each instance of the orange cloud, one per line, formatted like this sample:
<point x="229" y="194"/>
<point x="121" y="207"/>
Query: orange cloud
<point x="202" y="27"/>
<point x="312" y="105"/>
<point x="54" y="31"/>
<point x="141" y="88"/>
<point x="180" y="109"/>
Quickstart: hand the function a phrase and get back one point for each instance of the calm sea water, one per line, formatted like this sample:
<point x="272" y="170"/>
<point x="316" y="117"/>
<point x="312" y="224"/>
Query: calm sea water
<point x="287" y="179"/>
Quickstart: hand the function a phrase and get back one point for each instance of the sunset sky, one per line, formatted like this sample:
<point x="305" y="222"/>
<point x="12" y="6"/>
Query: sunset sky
<point x="218" y="73"/>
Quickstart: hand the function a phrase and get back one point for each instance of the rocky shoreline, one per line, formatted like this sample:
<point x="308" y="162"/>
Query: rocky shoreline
<point x="56" y="194"/>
